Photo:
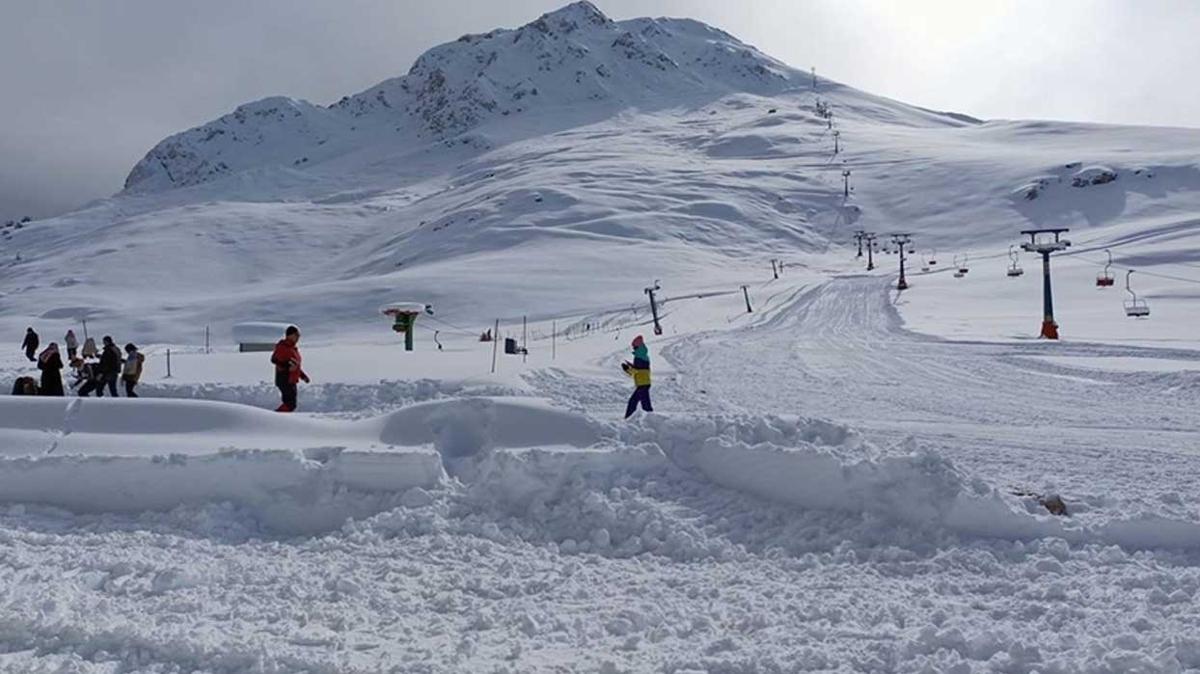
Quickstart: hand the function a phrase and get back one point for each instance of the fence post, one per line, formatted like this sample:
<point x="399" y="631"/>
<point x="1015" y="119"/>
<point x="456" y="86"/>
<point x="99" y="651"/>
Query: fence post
<point x="168" y="363"/>
<point x="495" y="344"/>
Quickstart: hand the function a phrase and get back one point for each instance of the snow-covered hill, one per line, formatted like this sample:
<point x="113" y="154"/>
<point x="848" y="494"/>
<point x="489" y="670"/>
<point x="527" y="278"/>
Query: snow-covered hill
<point x="574" y="152"/>
<point x="828" y="483"/>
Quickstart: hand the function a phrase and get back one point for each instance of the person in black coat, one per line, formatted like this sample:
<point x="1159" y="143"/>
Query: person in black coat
<point x="110" y="367"/>
<point x="51" y="365"/>
<point x="30" y="344"/>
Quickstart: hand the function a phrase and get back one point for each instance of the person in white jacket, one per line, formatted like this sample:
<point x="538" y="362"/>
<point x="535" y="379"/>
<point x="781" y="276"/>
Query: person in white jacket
<point x="131" y="374"/>
<point x="72" y="345"/>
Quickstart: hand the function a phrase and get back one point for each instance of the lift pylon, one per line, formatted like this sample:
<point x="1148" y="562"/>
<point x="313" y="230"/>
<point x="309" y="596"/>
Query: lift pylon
<point x="1040" y="243"/>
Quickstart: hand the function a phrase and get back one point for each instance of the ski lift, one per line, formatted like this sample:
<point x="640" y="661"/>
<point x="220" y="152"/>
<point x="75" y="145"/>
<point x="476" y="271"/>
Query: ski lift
<point x="1014" y="269"/>
<point x="962" y="266"/>
<point x="1134" y="308"/>
<point x="1105" y="279"/>
<point x="933" y="258"/>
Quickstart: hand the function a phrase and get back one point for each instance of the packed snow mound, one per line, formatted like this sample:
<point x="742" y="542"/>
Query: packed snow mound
<point x="303" y="474"/>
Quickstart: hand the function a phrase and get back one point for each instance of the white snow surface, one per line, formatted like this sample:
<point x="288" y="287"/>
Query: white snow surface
<point x="845" y="478"/>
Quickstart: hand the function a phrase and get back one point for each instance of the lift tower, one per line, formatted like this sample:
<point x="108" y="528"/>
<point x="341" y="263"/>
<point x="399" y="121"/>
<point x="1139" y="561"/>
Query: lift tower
<point x="902" y="242"/>
<point x="869" y="237"/>
<point x="1040" y="243"/>
<point x="858" y="236"/>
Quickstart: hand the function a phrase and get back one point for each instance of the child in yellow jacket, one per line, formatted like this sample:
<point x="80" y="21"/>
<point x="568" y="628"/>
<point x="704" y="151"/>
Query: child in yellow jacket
<point x="639" y="371"/>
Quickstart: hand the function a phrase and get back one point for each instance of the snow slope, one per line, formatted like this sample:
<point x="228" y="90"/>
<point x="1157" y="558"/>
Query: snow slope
<point x="845" y="478"/>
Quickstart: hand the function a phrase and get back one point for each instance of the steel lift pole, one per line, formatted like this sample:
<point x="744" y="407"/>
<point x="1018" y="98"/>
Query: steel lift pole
<point x="1040" y="243"/>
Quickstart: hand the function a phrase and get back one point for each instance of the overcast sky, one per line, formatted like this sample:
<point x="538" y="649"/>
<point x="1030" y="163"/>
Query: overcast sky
<point x="87" y="87"/>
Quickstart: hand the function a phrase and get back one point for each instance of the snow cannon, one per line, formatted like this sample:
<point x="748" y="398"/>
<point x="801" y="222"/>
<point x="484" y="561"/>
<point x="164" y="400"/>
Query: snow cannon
<point x="404" y="316"/>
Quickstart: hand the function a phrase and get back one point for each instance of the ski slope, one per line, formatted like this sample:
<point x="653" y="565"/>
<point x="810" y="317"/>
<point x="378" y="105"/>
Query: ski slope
<point x="843" y="479"/>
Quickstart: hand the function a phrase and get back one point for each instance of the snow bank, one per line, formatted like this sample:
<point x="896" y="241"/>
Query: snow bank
<point x="514" y="454"/>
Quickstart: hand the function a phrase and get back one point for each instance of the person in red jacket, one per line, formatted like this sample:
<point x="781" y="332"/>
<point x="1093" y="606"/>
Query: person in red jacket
<point x="288" y="372"/>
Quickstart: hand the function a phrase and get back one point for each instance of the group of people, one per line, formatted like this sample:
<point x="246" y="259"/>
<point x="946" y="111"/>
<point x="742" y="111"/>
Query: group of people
<point x="95" y="369"/>
<point x="100" y="369"/>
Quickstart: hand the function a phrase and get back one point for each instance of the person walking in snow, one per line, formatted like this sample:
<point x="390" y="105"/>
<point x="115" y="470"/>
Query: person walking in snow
<point x="72" y="345"/>
<point x="30" y="344"/>
<point x="51" y="365"/>
<point x="639" y="371"/>
<point x="288" y="372"/>
<point x="89" y="348"/>
<point x="110" y="367"/>
<point x="133" y="369"/>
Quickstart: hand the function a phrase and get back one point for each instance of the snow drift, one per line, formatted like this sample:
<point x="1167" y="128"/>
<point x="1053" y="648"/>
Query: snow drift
<point x="118" y="455"/>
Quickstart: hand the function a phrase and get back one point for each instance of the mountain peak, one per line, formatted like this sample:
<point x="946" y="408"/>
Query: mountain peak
<point x="574" y="15"/>
<point x="573" y="59"/>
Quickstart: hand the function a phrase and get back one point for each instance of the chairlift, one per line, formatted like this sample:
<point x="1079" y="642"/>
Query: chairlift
<point x="1105" y="279"/>
<point x="1134" y="308"/>
<point x="933" y="258"/>
<point x="962" y="266"/>
<point x="959" y="270"/>
<point x="1014" y="269"/>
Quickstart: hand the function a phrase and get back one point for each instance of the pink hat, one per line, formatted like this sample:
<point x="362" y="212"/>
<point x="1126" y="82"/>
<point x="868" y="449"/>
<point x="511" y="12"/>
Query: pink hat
<point x="638" y="341"/>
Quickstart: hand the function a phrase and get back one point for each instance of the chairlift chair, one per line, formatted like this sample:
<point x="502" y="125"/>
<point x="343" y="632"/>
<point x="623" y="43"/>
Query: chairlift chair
<point x="1014" y="269"/>
<point x="933" y="258"/>
<point x="962" y="266"/>
<point x="959" y="271"/>
<point x="1105" y="279"/>
<point x="1134" y="308"/>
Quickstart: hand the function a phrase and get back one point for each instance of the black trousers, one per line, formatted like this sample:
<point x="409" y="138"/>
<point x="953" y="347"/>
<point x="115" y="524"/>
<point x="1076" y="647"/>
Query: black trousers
<point x="288" y="392"/>
<point x="109" y="380"/>
<point x="641" y="395"/>
<point x="129" y="384"/>
<point x="29" y="353"/>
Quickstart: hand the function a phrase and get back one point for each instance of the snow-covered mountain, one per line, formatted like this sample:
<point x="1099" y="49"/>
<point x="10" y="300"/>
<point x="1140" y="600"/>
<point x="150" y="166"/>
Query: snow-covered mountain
<point x="572" y="57"/>
<point x="573" y="151"/>
<point x="573" y="61"/>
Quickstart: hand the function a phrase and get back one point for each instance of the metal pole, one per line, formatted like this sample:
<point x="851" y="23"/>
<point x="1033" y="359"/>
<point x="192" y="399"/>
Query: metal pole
<point x="524" y="340"/>
<point x="746" y="293"/>
<point x="206" y="349"/>
<point x="168" y="363"/>
<point x="870" y="253"/>
<point x="495" y="344"/>
<point x="553" y="340"/>
<point x="654" y="310"/>
<point x="1049" y="327"/>
<point x="85" y="329"/>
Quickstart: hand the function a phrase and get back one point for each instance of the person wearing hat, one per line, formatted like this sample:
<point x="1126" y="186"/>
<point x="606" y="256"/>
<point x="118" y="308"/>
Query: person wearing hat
<point x="288" y="372"/>
<point x="639" y="371"/>
<point x="131" y="374"/>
